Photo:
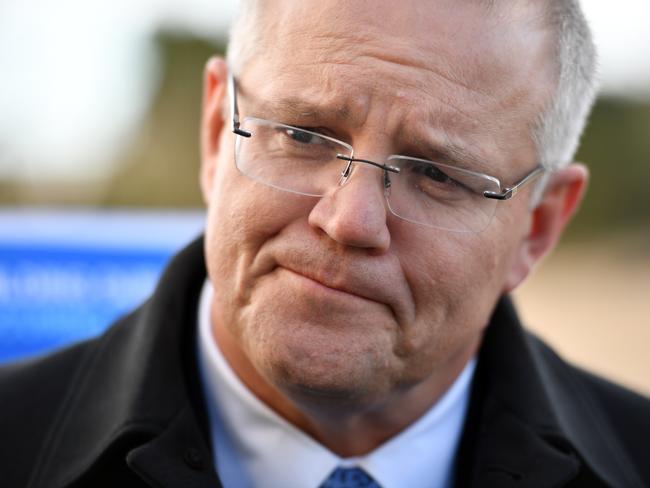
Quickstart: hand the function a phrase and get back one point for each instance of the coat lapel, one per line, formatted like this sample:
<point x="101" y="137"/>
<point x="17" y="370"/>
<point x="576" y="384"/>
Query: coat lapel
<point x="134" y="392"/>
<point x="530" y="422"/>
<point x="164" y="461"/>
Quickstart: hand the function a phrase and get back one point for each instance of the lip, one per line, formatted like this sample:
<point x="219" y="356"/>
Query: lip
<point x="340" y="290"/>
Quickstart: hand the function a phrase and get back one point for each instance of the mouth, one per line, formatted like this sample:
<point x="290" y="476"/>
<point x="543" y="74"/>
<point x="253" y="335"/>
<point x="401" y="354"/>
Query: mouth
<point x="317" y="286"/>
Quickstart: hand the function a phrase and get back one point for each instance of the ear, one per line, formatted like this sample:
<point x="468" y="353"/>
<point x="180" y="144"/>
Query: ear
<point x="212" y="120"/>
<point x="561" y="199"/>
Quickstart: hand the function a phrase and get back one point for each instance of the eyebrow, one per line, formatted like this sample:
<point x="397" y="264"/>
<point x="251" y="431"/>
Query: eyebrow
<point x="295" y="108"/>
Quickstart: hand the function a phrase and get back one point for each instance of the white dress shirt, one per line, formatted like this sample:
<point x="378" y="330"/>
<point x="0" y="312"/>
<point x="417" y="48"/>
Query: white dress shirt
<point x="256" y="448"/>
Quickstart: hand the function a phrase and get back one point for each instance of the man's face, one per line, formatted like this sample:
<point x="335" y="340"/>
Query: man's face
<point x="335" y="297"/>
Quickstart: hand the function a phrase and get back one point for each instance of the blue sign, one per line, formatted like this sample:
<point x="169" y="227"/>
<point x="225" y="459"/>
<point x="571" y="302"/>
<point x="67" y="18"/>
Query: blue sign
<point x="67" y="276"/>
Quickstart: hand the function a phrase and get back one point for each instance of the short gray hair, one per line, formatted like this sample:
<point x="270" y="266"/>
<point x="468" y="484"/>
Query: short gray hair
<point x="559" y="126"/>
<point x="244" y="36"/>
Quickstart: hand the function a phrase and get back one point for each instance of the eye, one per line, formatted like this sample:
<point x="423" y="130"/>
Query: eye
<point x="434" y="173"/>
<point x="302" y="136"/>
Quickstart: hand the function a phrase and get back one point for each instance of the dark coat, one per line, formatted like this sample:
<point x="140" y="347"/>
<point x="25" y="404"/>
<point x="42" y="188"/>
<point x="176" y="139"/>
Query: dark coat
<point x="125" y="409"/>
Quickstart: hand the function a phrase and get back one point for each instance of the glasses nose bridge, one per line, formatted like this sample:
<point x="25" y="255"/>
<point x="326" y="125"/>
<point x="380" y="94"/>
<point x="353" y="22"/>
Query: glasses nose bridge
<point x="347" y="171"/>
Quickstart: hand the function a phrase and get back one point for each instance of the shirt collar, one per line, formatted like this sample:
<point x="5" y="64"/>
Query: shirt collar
<point x="246" y="433"/>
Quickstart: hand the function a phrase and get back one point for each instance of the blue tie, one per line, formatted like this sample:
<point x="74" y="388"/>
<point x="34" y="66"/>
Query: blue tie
<point x="349" y="478"/>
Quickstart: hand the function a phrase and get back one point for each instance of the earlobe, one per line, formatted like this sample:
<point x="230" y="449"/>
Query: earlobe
<point x="560" y="200"/>
<point x="212" y="119"/>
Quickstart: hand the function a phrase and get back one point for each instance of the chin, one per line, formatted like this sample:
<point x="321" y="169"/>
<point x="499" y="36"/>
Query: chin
<point x="323" y="365"/>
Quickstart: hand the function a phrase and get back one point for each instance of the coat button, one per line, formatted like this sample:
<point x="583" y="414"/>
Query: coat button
<point x="194" y="458"/>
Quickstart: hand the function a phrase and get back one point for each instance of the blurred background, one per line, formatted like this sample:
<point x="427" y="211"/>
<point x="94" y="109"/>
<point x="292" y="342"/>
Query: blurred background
<point x="99" y="112"/>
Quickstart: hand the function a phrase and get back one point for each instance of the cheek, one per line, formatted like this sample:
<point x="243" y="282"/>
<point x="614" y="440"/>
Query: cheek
<point x="450" y="269"/>
<point x="240" y="213"/>
<point x="455" y="282"/>
<point x="242" y="216"/>
<point x="237" y="227"/>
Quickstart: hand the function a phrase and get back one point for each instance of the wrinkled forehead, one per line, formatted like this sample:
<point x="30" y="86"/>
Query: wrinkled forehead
<point x="473" y="40"/>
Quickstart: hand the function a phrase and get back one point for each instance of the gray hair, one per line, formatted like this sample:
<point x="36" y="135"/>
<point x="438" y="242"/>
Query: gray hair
<point x="560" y="125"/>
<point x="244" y="36"/>
<point x="556" y="132"/>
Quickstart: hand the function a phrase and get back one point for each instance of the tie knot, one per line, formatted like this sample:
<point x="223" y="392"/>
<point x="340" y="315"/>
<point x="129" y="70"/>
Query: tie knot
<point x="349" y="478"/>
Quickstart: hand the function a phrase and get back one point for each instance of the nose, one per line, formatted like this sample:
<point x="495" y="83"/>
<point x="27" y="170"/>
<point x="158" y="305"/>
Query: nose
<point x="355" y="213"/>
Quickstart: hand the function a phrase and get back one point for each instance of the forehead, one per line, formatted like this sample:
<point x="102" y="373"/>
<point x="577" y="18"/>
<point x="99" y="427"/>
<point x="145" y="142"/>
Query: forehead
<point x="452" y="66"/>
<point x="474" y="42"/>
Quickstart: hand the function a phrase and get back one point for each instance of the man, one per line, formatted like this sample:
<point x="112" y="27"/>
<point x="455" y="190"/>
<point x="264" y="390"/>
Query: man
<point x="378" y="178"/>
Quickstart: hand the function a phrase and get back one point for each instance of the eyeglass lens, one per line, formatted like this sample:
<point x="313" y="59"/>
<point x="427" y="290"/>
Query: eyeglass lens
<point x="423" y="192"/>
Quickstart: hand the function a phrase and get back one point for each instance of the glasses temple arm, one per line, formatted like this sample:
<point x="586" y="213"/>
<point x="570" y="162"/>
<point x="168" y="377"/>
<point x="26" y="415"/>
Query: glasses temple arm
<point x="234" y="109"/>
<point x="511" y="191"/>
